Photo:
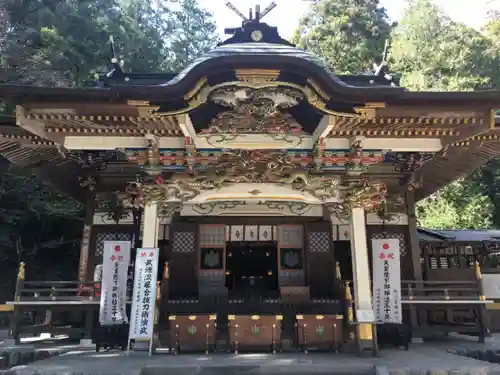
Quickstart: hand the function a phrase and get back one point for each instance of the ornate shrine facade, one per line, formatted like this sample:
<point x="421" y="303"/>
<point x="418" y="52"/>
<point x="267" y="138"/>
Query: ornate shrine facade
<point x="254" y="147"/>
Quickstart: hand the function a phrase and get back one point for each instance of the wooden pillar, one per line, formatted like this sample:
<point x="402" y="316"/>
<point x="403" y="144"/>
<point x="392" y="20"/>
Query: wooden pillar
<point x="417" y="274"/>
<point x="483" y="314"/>
<point x="362" y="277"/>
<point x="413" y="235"/>
<point x="83" y="271"/>
<point x="150" y="225"/>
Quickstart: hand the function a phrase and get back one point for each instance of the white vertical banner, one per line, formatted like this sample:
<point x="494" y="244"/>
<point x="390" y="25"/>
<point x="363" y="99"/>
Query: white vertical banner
<point x="387" y="280"/>
<point x="116" y="259"/>
<point x="144" y="295"/>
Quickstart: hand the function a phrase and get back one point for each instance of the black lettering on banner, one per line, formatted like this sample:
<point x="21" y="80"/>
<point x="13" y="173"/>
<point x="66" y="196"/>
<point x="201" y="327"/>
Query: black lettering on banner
<point x="387" y="292"/>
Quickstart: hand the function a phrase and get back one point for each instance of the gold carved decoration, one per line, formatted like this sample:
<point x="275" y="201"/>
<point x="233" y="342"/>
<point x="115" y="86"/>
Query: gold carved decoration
<point x="144" y="108"/>
<point x="360" y="194"/>
<point x="355" y="166"/>
<point x="233" y="166"/>
<point x="255" y="77"/>
<point x="369" y="111"/>
<point x="255" y="111"/>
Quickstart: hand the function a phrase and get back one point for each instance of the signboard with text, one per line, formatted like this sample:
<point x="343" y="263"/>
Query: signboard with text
<point x="144" y="295"/>
<point x="116" y="259"/>
<point x="387" y="280"/>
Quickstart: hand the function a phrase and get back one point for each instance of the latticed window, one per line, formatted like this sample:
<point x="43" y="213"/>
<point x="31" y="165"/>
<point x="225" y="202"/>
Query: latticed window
<point x="101" y="237"/>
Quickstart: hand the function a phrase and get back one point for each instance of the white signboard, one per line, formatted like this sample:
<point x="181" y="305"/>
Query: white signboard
<point x="144" y="296"/>
<point x="387" y="281"/>
<point x="491" y="285"/>
<point x="365" y="316"/>
<point x="116" y="259"/>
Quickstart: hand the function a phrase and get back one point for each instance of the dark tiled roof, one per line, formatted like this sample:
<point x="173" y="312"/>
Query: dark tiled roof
<point x="251" y="49"/>
<point x="458" y="235"/>
<point x="258" y="49"/>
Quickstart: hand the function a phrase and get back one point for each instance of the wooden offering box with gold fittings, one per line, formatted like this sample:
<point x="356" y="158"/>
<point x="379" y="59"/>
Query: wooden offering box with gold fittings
<point x="192" y="332"/>
<point x="319" y="332"/>
<point x="255" y="332"/>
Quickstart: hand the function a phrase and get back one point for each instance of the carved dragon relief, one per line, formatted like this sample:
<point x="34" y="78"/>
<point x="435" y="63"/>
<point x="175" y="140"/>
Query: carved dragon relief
<point x="360" y="194"/>
<point x="255" y="111"/>
<point x="253" y="166"/>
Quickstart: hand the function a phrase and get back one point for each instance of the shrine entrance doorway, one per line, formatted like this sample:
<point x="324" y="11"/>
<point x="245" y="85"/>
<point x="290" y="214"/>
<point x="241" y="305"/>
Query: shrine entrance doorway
<point x="252" y="269"/>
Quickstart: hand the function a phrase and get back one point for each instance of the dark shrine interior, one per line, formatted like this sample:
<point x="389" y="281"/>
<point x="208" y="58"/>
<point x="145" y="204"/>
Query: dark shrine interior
<point x="252" y="269"/>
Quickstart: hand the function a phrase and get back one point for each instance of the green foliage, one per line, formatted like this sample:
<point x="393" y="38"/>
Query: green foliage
<point x="431" y="52"/>
<point x="39" y="226"/>
<point x="65" y="43"/>
<point x="348" y="34"/>
<point x="462" y="204"/>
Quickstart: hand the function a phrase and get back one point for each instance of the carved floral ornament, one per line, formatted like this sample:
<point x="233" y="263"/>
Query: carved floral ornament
<point x="252" y="166"/>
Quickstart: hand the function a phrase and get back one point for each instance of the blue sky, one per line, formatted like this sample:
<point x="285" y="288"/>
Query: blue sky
<point x="286" y="16"/>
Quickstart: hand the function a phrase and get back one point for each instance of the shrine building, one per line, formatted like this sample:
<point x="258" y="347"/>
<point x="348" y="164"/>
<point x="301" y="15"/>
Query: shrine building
<point x="265" y="179"/>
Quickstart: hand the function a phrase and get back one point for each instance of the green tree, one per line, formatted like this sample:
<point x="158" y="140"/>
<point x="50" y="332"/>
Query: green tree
<point x="461" y="204"/>
<point x="65" y="43"/>
<point x="39" y="226"/>
<point x="432" y="52"/>
<point x="349" y="34"/>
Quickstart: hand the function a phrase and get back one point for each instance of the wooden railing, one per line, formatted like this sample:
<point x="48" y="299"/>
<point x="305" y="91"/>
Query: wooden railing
<point x="444" y="291"/>
<point x="411" y="291"/>
<point x="57" y="291"/>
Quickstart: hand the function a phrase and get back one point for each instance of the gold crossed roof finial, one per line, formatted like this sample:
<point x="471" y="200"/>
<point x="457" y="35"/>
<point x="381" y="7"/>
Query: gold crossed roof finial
<point x="258" y="14"/>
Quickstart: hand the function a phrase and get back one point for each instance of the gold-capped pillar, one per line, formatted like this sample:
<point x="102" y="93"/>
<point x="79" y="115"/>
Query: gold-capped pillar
<point x="362" y="278"/>
<point x="150" y="225"/>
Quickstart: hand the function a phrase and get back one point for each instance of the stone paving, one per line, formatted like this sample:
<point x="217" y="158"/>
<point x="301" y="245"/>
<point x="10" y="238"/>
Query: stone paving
<point x="424" y="359"/>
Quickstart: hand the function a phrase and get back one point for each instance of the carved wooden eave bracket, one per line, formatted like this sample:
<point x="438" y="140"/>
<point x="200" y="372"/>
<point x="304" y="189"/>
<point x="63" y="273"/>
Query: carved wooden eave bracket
<point x="360" y="194"/>
<point x="235" y="167"/>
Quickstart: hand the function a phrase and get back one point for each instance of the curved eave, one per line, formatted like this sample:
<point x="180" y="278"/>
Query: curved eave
<point x="457" y="162"/>
<point x="119" y="94"/>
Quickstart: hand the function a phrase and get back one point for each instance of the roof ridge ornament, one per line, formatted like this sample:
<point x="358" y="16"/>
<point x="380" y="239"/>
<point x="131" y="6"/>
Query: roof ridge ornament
<point x="258" y="14"/>
<point x="115" y="62"/>
<point x="252" y="29"/>
<point x="382" y="70"/>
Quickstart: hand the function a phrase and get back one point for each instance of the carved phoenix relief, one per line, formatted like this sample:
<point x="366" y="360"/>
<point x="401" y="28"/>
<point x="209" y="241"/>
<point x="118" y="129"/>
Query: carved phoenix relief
<point x="254" y="111"/>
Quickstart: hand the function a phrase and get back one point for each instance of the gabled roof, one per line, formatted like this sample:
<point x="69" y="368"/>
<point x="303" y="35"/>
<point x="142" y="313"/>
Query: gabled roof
<point x="458" y="235"/>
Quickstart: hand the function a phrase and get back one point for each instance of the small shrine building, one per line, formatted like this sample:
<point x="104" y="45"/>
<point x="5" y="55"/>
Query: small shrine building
<point x="257" y="157"/>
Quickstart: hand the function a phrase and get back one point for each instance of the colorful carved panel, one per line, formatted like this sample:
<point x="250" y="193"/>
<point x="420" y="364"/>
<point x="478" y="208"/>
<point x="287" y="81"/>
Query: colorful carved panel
<point x="193" y="333"/>
<point x="329" y="160"/>
<point x="319" y="331"/>
<point x="254" y="331"/>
